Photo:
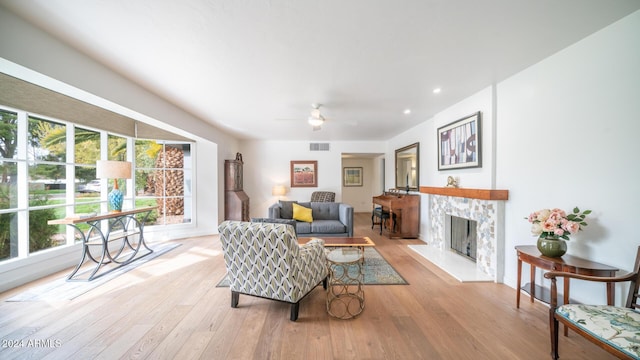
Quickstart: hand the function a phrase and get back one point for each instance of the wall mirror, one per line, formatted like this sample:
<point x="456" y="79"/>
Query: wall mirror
<point x="408" y="167"/>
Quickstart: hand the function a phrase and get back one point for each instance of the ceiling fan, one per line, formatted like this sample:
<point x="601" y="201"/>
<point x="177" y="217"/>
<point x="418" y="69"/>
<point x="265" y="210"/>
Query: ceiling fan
<point x="316" y="119"/>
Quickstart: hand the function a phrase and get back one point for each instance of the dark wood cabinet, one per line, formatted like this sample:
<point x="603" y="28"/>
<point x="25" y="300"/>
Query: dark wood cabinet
<point x="233" y="175"/>
<point x="236" y="201"/>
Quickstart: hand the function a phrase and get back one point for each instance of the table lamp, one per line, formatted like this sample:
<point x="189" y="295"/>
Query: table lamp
<point x="278" y="190"/>
<point x="108" y="169"/>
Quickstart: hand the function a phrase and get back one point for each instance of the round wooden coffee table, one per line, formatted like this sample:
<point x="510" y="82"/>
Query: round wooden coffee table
<point x="345" y="292"/>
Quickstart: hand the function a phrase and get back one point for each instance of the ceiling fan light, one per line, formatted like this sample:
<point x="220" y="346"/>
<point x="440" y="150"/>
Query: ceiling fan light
<point x="314" y="121"/>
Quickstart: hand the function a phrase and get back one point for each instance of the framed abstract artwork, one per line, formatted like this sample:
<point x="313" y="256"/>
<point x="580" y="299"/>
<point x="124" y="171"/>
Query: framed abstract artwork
<point x="304" y="173"/>
<point x="459" y="144"/>
<point x="352" y="176"/>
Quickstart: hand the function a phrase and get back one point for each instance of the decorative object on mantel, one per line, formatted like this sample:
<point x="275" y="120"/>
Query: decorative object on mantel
<point x="553" y="227"/>
<point x="451" y="182"/>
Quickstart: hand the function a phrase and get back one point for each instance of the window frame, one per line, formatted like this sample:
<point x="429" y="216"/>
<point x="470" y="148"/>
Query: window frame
<point x="22" y="161"/>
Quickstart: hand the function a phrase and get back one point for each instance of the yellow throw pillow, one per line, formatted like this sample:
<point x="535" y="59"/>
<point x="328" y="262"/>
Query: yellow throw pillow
<point x="302" y="213"/>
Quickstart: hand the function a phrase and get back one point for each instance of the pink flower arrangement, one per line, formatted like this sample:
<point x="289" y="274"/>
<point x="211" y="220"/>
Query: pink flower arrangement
<point x="556" y="224"/>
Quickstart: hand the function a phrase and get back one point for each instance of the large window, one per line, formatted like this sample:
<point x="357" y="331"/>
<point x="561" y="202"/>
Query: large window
<point x="47" y="177"/>
<point x="86" y="188"/>
<point x="48" y="171"/>
<point x="8" y="186"/>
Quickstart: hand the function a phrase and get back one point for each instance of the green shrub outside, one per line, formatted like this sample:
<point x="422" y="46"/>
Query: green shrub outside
<point x="8" y="225"/>
<point x="40" y="234"/>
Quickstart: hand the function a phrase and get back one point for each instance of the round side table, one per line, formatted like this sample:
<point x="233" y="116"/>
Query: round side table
<point x="345" y="293"/>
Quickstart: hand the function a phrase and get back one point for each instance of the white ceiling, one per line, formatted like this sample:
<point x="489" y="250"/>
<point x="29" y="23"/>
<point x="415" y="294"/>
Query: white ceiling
<point x="254" y="67"/>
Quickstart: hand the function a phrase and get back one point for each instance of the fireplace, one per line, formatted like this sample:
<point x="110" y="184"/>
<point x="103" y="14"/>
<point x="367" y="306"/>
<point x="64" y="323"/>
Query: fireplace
<point x="483" y="206"/>
<point x="461" y="236"/>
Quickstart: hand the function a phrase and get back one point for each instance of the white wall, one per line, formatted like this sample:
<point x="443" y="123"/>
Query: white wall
<point x="379" y="182"/>
<point x="267" y="163"/>
<point x="568" y="136"/>
<point x="480" y="177"/>
<point x="561" y="133"/>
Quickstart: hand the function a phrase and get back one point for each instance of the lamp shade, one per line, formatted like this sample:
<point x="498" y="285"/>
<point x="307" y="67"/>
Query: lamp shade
<point x="109" y="169"/>
<point x="278" y="190"/>
<point x="313" y="121"/>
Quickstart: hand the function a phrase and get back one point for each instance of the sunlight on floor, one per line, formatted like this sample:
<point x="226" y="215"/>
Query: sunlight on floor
<point x="196" y="254"/>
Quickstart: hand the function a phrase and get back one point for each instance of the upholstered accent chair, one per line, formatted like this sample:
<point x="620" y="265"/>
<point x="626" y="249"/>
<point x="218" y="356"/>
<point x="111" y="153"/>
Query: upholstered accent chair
<point x="276" y="221"/>
<point x="616" y="329"/>
<point x="323" y="196"/>
<point x="265" y="260"/>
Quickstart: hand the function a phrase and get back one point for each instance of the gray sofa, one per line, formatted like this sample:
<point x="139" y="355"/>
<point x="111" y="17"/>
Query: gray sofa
<point x="330" y="219"/>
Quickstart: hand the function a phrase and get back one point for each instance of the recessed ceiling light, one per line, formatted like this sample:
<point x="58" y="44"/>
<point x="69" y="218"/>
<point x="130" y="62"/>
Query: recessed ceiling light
<point x="407" y="111"/>
<point x="437" y="90"/>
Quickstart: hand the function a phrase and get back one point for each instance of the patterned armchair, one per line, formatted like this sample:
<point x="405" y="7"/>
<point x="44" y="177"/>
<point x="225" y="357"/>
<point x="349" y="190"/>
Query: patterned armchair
<point x="323" y="196"/>
<point x="265" y="260"/>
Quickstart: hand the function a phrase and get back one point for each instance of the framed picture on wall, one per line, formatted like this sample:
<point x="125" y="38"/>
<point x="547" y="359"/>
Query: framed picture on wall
<point x="459" y="144"/>
<point x="352" y="176"/>
<point x="304" y="173"/>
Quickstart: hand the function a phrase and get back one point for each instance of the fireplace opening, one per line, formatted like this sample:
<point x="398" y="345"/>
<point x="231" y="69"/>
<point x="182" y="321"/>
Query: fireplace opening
<point x="462" y="236"/>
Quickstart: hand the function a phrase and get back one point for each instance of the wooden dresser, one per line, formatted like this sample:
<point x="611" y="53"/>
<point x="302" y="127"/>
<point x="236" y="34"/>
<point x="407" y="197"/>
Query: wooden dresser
<point x="236" y="201"/>
<point x="406" y="208"/>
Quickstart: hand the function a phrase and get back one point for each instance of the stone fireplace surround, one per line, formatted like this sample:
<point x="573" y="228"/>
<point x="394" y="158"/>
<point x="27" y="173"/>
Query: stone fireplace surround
<point x="486" y="207"/>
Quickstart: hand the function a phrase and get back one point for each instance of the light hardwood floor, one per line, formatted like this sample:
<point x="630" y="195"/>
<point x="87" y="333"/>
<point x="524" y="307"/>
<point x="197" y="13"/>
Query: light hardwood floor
<point x="170" y="308"/>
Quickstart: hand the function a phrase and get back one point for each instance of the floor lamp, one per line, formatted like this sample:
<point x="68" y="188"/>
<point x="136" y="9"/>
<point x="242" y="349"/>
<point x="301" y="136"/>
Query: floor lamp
<point x="108" y="169"/>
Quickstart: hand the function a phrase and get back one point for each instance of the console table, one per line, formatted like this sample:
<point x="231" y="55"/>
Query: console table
<point x="119" y="240"/>
<point x="567" y="263"/>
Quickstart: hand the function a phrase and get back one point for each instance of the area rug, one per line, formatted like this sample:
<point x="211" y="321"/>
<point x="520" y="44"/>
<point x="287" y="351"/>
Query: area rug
<point x="377" y="271"/>
<point x="61" y="289"/>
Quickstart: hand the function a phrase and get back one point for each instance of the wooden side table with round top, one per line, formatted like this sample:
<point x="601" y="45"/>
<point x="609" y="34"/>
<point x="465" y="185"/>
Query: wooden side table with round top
<point x="345" y="292"/>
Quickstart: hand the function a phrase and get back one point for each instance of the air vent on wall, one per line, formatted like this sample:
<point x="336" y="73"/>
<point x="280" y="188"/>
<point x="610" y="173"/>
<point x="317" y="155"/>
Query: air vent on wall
<point x="319" y="146"/>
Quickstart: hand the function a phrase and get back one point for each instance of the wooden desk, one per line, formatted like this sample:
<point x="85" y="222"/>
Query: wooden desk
<point x="405" y="209"/>
<point x="567" y="263"/>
